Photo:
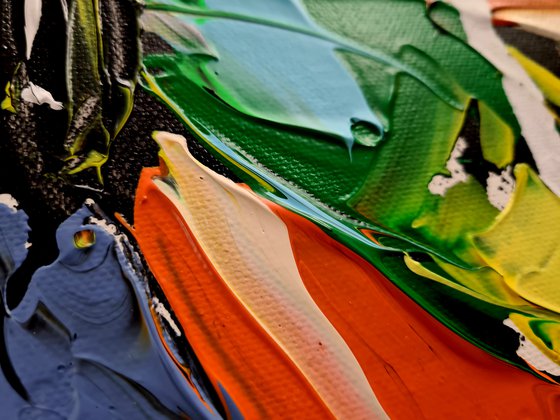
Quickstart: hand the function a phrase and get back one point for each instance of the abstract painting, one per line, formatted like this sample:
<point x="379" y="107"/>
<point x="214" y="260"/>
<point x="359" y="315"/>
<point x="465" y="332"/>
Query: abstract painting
<point x="279" y="209"/>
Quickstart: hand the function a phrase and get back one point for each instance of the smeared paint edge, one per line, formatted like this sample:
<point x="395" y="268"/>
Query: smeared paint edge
<point x="531" y="353"/>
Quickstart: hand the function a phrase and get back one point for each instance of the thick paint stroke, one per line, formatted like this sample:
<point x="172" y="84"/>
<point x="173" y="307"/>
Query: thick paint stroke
<point x="249" y="248"/>
<point x="380" y="200"/>
<point x="235" y="72"/>
<point x="319" y="170"/>
<point x="435" y="374"/>
<point x="379" y="188"/>
<point x="528" y="259"/>
<point x="83" y="341"/>
<point x="14" y="232"/>
<point x="417" y="368"/>
<point x="256" y="75"/>
<point x="234" y="350"/>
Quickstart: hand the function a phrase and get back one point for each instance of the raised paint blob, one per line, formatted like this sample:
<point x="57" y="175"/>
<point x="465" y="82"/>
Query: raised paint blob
<point x="85" y="333"/>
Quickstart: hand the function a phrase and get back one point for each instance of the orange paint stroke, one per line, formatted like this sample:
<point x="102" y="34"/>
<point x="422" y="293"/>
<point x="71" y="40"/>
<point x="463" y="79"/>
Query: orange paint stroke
<point x="233" y="349"/>
<point x="416" y="367"/>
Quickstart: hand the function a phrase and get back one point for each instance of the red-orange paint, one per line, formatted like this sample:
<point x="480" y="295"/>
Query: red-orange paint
<point x="232" y="348"/>
<point x="416" y="366"/>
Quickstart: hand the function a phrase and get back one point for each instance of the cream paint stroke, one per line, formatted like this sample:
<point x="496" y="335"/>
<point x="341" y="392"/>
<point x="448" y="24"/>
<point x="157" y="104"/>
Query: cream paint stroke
<point x="32" y="13"/>
<point x="537" y="123"/>
<point x="35" y="94"/>
<point x="250" y="248"/>
<point x="9" y="201"/>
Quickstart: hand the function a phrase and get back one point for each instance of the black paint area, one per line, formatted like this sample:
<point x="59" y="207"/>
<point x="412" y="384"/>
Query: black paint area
<point x="32" y="151"/>
<point x="57" y="358"/>
<point x="543" y="50"/>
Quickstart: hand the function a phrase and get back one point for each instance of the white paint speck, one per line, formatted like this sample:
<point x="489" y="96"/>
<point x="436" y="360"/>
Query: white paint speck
<point x="441" y="183"/>
<point x="500" y="188"/>
<point x="162" y="311"/>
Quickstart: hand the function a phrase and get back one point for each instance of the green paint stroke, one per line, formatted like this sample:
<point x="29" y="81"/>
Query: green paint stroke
<point x="344" y="111"/>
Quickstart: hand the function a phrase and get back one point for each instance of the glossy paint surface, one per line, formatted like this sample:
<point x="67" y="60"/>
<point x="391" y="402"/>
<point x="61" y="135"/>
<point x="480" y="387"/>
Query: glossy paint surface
<point x="355" y="212"/>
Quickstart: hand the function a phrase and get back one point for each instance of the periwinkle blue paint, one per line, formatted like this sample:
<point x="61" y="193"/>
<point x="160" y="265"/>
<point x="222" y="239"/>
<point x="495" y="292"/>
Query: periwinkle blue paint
<point x="83" y="341"/>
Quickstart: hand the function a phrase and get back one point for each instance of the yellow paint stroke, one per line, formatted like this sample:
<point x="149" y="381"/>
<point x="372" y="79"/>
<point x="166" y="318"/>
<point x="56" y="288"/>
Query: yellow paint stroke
<point x="523" y="244"/>
<point x="547" y="82"/>
<point x="496" y="137"/>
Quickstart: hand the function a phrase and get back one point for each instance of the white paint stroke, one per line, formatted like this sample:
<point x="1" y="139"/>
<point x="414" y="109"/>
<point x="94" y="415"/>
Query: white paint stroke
<point x="32" y="14"/>
<point x="37" y="95"/>
<point x="162" y="311"/>
<point x="537" y="123"/>
<point x="64" y="5"/>
<point x="531" y="354"/>
<point x="108" y="227"/>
